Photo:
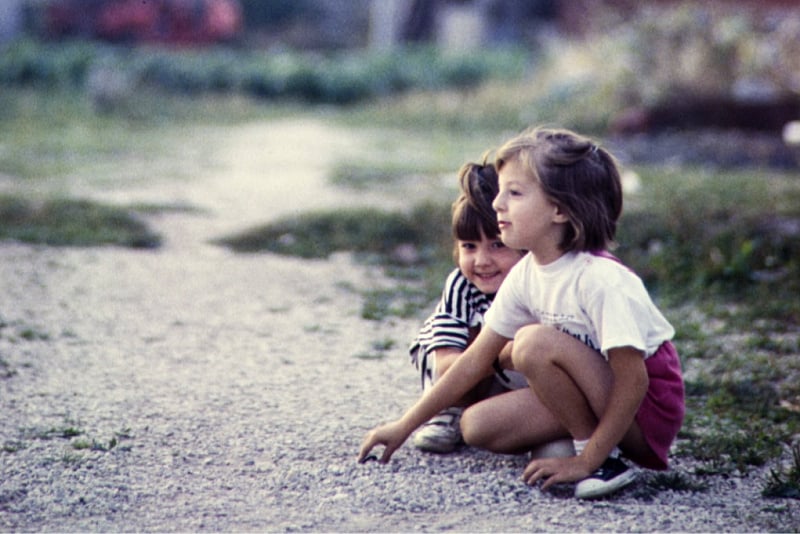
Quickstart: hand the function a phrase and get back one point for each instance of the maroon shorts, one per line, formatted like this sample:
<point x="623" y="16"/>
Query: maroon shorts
<point x="661" y="413"/>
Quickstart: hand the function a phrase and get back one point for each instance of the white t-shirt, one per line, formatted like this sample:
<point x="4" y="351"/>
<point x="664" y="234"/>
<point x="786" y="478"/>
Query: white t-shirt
<point x="593" y="298"/>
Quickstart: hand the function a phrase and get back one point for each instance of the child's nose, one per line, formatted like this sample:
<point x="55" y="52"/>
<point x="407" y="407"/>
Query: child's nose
<point x="497" y="203"/>
<point x="482" y="257"/>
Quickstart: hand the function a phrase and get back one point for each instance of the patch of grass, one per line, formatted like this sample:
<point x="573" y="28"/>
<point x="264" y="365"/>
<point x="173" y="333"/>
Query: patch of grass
<point x="12" y="446"/>
<point x="65" y="431"/>
<point x="734" y="425"/>
<point x="79" y="441"/>
<point x="413" y="246"/>
<point x="402" y="301"/>
<point x="94" y="445"/>
<point x="378" y="350"/>
<point x="6" y="370"/>
<point x="785" y="483"/>
<point x="317" y="328"/>
<point x="363" y="177"/>
<point x="81" y="444"/>
<point x="383" y="344"/>
<point x="46" y="134"/>
<point x="732" y="235"/>
<point x="67" y="458"/>
<point x="67" y="222"/>
<point x="156" y="209"/>
<point x="368" y="231"/>
<point x="676" y="481"/>
<point x="370" y="355"/>
<point x="698" y="340"/>
<point x="741" y="370"/>
<point x="32" y="334"/>
<point x="767" y="341"/>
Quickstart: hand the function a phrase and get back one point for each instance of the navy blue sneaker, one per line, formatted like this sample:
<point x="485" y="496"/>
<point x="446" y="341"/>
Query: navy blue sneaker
<point x="609" y="477"/>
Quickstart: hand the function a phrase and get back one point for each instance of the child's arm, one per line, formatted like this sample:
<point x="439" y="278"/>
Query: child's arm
<point x="445" y="358"/>
<point x="469" y="368"/>
<point x="627" y="391"/>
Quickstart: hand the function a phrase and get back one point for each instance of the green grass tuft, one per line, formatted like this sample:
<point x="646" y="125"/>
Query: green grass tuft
<point x="676" y="481"/>
<point x="785" y="483"/>
<point x="364" y="230"/>
<point x="67" y="222"/>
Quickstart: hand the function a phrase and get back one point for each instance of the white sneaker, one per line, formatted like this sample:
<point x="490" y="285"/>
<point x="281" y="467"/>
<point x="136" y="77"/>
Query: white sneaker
<point x="442" y="433"/>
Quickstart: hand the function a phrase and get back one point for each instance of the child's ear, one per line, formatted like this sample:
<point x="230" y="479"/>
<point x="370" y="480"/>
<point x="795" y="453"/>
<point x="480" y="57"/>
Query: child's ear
<point x="559" y="215"/>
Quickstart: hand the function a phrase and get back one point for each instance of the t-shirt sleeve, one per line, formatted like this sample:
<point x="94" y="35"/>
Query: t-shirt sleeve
<point x="509" y="311"/>
<point x="623" y="313"/>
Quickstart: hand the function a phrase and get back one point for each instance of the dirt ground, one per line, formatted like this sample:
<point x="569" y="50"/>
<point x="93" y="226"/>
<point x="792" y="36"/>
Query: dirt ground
<point x="193" y="389"/>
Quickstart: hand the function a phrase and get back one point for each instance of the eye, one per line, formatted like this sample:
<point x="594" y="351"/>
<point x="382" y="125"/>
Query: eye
<point x="498" y="244"/>
<point x="468" y="245"/>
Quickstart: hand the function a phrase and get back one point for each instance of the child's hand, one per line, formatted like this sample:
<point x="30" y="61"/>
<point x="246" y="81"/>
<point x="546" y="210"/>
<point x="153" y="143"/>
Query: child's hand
<point x="555" y="470"/>
<point x="391" y="436"/>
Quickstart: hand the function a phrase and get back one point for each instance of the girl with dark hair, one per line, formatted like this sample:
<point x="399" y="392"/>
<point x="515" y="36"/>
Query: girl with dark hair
<point x="483" y="261"/>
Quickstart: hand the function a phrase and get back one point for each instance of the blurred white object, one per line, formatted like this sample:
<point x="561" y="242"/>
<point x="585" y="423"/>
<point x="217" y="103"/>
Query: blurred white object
<point x="791" y="133"/>
<point x="461" y="27"/>
<point x="555" y="449"/>
<point x="630" y="182"/>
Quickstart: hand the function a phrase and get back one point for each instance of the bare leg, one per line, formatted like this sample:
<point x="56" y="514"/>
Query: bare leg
<point x="511" y="422"/>
<point x="572" y="381"/>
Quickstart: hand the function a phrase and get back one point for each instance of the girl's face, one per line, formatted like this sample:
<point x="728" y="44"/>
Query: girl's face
<point x="527" y="218"/>
<point x="486" y="263"/>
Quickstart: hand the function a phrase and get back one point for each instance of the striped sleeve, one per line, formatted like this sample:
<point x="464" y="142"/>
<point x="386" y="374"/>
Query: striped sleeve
<point x="462" y="306"/>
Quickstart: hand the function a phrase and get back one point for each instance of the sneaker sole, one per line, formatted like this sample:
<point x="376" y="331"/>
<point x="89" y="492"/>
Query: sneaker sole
<point x="602" y="489"/>
<point x="430" y="446"/>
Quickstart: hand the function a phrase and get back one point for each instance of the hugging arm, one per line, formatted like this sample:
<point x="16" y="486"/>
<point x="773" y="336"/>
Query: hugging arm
<point x="469" y="368"/>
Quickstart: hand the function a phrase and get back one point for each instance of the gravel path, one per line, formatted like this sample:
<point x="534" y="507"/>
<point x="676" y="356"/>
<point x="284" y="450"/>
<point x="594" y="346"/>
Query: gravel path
<point x="224" y="392"/>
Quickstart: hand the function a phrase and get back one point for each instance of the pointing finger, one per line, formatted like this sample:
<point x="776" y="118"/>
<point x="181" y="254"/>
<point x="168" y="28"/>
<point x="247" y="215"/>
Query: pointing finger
<point x="366" y="447"/>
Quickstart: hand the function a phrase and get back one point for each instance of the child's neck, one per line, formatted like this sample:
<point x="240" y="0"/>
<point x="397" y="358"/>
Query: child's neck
<point x="547" y="249"/>
<point x="547" y="257"/>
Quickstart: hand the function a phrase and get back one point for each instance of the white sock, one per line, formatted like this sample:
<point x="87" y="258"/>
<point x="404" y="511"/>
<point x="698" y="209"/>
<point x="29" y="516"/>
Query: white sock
<point x="580" y="444"/>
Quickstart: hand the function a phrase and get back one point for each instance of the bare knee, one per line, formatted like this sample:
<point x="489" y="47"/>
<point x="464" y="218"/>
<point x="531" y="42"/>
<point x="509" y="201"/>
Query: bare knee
<point x="531" y="348"/>
<point x="472" y="427"/>
<point x="478" y="429"/>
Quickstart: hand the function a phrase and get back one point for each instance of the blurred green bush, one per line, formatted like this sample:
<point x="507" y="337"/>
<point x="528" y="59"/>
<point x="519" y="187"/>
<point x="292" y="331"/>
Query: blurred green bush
<point x="336" y="78"/>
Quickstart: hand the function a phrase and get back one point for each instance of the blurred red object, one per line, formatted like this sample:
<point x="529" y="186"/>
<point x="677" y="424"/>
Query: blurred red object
<point x="180" y="22"/>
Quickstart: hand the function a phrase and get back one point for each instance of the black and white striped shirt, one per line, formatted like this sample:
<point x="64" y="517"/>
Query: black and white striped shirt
<point x="460" y="309"/>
